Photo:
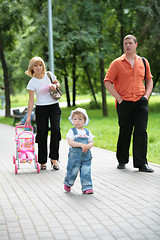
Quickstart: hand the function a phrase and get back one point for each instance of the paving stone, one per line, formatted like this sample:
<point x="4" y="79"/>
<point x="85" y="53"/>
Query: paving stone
<point x="125" y="204"/>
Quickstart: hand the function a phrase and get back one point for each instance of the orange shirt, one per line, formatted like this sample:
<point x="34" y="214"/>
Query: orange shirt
<point x="128" y="81"/>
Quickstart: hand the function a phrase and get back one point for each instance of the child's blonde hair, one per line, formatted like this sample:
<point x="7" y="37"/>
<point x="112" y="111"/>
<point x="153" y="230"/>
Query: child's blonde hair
<point x="79" y="114"/>
<point x="32" y="62"/>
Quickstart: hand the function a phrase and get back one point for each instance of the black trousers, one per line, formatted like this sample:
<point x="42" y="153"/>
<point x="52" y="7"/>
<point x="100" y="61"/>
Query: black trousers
<point x="44" y="114"/>
<point x="133" y="118"/>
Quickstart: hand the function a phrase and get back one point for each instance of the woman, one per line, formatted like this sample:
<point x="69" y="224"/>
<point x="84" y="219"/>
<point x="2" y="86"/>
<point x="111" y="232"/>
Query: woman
<point x="46" y="109"/>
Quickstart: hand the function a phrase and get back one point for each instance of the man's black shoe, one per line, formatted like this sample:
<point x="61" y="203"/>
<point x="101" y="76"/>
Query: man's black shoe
<point x="121" y="166"/>
<point x="146" y="168"/>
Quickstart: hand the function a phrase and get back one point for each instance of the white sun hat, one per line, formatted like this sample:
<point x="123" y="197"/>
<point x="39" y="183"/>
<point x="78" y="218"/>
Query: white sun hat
<point x="82" y="110"/>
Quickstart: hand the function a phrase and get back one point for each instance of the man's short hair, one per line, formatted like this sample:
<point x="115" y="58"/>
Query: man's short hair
<point x="129" y="36"/>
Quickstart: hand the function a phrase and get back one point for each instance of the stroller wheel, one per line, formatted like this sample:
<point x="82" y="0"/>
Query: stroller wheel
<point x="16" y="168"/>
<point x="14" y="159"/>
<point x="38" y="168"/>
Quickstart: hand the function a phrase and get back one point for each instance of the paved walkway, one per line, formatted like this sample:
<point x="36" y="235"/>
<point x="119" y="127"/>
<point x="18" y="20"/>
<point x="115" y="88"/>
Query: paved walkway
<point x="124" y="206"/>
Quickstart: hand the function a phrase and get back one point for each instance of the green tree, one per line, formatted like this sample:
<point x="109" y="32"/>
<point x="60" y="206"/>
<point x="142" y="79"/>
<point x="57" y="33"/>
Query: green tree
<point x="148" y="25"/>
<point x="143" y="20"/>
<point x="88" y="35"/>
<point x="10" y="22"/>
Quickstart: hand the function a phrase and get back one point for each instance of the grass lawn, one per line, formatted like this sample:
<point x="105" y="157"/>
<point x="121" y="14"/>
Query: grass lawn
<point x="106" y="129"/>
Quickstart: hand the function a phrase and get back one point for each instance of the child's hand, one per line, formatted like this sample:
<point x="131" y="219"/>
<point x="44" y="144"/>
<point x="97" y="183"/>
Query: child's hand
<point x="84" y="147"/>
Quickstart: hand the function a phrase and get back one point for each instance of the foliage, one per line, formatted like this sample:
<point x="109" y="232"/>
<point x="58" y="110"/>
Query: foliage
<point x="149" y="34"/>
<point x="10" y="24"/>
<point x="84" y="32"/>
<point x="94" y="105"/>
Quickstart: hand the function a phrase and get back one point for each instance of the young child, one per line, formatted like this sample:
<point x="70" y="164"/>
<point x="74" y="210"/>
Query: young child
<point x="80" y="141"/>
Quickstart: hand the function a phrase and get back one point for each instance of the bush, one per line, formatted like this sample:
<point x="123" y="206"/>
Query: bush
<point x="94" y="105"/>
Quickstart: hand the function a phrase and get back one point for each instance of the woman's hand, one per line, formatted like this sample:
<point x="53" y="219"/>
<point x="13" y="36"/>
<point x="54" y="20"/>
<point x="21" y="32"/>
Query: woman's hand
<point x="28" y="121"/>
<point x="53" y="87"/>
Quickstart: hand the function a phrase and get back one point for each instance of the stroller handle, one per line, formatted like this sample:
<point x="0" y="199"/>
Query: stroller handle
<point x="24" y="126"/>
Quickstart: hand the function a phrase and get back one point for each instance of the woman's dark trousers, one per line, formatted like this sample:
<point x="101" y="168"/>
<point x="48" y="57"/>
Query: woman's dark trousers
<point x="44" y="114"/>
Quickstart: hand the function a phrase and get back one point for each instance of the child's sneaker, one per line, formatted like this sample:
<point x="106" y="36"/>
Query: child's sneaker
<point x="68" y="189"/>
<point x="88" y="191"/>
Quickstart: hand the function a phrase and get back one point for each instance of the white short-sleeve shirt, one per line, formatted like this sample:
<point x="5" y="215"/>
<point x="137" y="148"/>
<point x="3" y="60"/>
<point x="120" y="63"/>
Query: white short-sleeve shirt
<point x="81" y="133"/>
<point x="41" y="89"/>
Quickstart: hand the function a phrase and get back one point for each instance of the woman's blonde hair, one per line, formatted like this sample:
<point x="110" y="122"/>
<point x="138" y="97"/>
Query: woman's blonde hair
<point x="32" y="62"/>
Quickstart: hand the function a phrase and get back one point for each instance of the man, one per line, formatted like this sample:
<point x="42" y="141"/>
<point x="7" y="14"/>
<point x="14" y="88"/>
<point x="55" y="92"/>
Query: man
<point x="124" y="81"/>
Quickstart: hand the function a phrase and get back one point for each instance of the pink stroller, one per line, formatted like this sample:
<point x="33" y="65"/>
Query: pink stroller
<point x="25" y="151"/>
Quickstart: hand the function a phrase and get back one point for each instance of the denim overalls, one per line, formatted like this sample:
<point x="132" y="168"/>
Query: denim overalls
<point x="79" y="161"/>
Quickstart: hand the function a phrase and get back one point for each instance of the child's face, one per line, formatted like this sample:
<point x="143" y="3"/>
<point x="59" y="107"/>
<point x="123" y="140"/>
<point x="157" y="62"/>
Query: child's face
<point x="27" y="144"/>
<point x="78" y="121"/>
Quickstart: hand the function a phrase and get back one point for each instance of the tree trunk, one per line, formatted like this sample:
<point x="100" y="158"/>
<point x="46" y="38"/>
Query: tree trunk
<point x="74" y="75"/>
<point x="6" y="79"/>
<point x="101" y="65"/>
<point x="103" y="90"/>
<point x="122" y="25"/>
<point x="102" y="75"/>
<point x="90" y="84"/>
<point x="67" y="88"/>
<point x="89" y="80"/>
<point x="156" y="79"/>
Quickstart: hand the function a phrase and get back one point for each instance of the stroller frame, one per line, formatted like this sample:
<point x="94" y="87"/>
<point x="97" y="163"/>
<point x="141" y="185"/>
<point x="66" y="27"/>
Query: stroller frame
<point x="21" y="138"/>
